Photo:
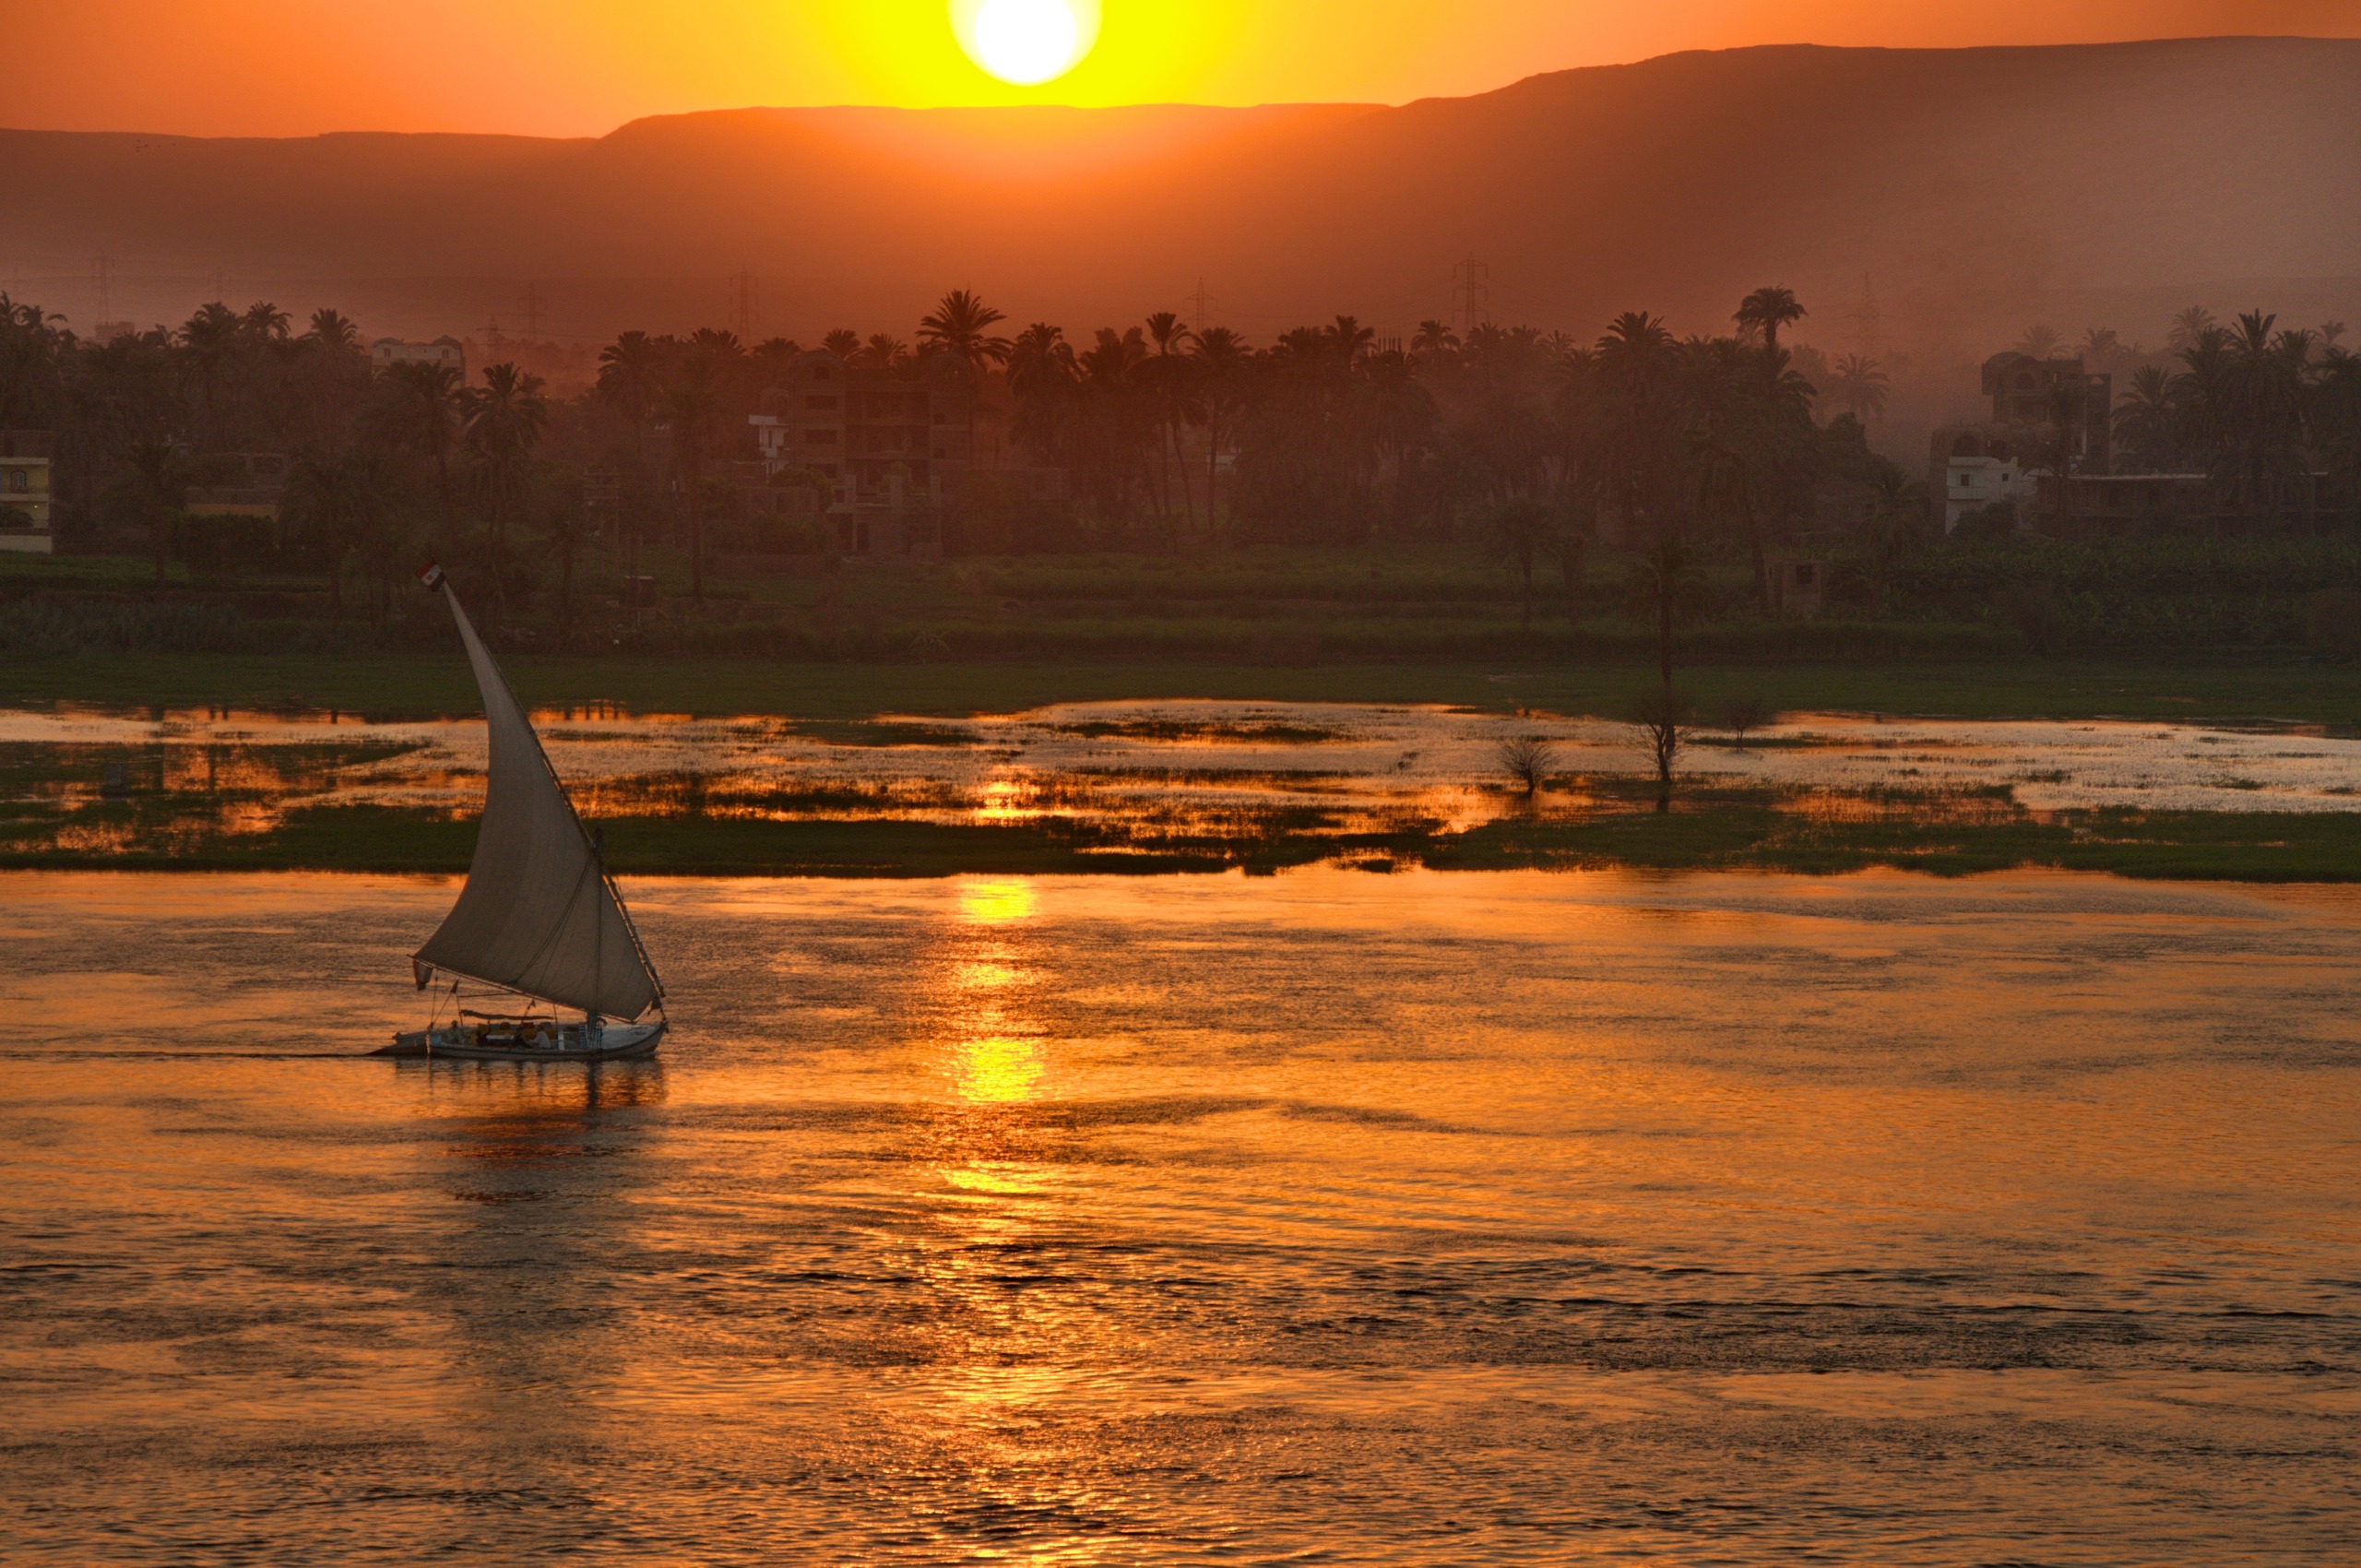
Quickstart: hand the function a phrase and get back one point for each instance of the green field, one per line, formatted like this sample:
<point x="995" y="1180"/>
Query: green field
<point x="389" y="687"/>
<point x="1259" y="626"/>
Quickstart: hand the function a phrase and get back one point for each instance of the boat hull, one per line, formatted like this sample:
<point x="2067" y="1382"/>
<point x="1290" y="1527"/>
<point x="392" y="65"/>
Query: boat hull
<point x="616" y="1042"/>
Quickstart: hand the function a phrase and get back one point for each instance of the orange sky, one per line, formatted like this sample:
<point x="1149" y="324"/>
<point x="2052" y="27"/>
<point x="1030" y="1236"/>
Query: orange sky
<point x="281" y="67"/>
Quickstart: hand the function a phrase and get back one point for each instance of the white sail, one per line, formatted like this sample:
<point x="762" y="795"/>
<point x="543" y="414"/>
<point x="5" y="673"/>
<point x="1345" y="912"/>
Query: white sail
<point x="537" y="914"/>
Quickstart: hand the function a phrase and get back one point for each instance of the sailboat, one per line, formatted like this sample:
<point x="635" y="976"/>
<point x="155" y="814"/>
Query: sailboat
<point x="539" y="918"/>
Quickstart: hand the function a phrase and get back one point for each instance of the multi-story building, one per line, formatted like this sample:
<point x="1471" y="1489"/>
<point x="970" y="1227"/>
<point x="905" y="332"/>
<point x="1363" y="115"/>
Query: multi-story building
<point x="386" y="353"/>
<point x="25" y="493"/>
<point x="888" y="437"/>
<point x="893" y="442"/>
<point x="2041" y="410"/>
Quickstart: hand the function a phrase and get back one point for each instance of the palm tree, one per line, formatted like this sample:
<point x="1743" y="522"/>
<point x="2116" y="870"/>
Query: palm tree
<point x="1116" y="418"/>
<point x="334" y="331"/>
<point x="883" y="351"/>
<point x="563" y="526"/>
<point x="419" y="407"/>
<point x="1350" y="339"/>
<point x="505" y="417"/>
<point x="631" y="375"/>
<point x="1765" y="311"/>
<point x="1632" y="385"/>
<point x="209" y="341"/>
<point x="264" y="322"/>
<point x="961" y="326"/>
<point x="844" y="342"/>
<point x="1889" y="530"/>
<point x="1860" y="385"/>
<point x="771" y="357"/>
<point x="2261" y="394"/>
<point x="341" y="497"/>
<point x="1170" y="379"/>
<point x="2188" y="328"/>
<point x="159" y="482"/>
<point x="693" y="405"/>
<point x="1434" y="340"/>
<point x="32" y="359"/>
<point x="1223" y="360"/>
<point x="2145" y="422"/>
<point x="1043" y="376"/>
<point x="2040" y="342"/>
<point x="1668" y="580"/>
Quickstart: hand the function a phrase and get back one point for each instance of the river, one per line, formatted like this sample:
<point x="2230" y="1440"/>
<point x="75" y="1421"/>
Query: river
<point x="1328" y="1217"/>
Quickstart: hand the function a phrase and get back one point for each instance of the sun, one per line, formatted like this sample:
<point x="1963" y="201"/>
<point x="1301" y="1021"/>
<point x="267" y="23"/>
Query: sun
<point x="1026" y="42"/>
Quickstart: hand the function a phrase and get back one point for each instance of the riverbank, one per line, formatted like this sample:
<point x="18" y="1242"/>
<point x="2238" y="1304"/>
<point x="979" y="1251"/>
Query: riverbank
<point x="1198" y="786"/>
<point x="435" y="684"/>
<point x="1710" y="829"/>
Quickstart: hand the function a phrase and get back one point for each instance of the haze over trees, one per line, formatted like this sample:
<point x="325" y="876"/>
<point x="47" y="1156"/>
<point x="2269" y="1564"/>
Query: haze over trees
<point x="1640" y="473"/>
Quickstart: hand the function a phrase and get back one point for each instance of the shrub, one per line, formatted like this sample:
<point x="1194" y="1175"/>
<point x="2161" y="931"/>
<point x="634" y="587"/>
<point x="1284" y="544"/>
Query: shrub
<point x="1527" y="759"/>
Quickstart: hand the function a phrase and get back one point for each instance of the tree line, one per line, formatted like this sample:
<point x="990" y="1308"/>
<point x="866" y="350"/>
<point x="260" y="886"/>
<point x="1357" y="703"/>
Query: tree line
<point x="2261" y="410"/>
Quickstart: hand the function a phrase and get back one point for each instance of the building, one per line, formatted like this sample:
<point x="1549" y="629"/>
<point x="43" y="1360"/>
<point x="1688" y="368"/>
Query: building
<point x="863" y="425"/>
<point x="1970" y="485"/>
<point x="239" y="484"/>
<point x="1797" y="584"/>
<point x="892" y="442"/>
<point x="2039" y="408"/>
<point x="2111" y="506"/>
<point x="387" y="352"/>
<point x="25" y="517"/>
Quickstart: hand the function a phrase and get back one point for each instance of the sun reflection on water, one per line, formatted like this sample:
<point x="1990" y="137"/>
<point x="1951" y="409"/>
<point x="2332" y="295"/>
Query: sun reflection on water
<point x="995" y="902"/>
<point x="999" y="1071"/>
<point x="995" y="1055"/>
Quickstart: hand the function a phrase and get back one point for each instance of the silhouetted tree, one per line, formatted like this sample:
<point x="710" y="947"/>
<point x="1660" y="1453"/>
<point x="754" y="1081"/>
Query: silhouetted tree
<point x="1766" y="311"/>
<point x="420" y="409"/>
<point x="504" y="417"/>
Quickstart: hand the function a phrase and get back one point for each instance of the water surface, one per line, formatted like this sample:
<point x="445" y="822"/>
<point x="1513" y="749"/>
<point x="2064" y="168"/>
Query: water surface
<point x="1329" y="1217"/>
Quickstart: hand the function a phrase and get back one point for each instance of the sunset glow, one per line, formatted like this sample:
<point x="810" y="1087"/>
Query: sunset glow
<point x="582" y="67"/>
<point x="1168" y="782"/>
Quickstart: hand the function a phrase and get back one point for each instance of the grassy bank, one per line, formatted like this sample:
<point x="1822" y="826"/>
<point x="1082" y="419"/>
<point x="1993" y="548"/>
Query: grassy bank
<point x="1733" y="829"/>
<point x="427" y="684"/>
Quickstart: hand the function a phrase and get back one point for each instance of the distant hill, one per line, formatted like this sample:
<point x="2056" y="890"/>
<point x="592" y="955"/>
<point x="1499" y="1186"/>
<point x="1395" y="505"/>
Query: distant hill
<point x="1978" y="188"/>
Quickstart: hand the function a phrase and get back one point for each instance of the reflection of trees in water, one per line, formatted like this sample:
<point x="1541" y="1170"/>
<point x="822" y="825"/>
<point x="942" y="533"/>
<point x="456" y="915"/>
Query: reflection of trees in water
<point x="535" y="1168"/>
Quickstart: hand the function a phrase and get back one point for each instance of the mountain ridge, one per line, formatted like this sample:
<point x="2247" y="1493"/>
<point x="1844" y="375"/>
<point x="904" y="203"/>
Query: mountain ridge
<point x="1975" y="185"/>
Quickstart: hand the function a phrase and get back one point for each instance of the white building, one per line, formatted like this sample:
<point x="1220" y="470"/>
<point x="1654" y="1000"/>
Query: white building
<point x="24" y="493"/>
<point x="1970" y="485"/>
<point x="386" y="353"/>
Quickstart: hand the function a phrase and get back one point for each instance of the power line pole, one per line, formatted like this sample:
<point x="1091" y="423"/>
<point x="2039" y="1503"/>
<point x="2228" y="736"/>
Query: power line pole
<point x="1205" y="303"/>
<point x="1471" y="294"/>
<point x="743" y="304"/>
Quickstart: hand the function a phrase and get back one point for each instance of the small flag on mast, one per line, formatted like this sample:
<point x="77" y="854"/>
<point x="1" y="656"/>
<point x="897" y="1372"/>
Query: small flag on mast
<point x="430" y="575"/>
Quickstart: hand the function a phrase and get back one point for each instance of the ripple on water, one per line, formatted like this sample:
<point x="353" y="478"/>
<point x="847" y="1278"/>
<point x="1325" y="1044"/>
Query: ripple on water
<point x="1324" y="1218"/>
